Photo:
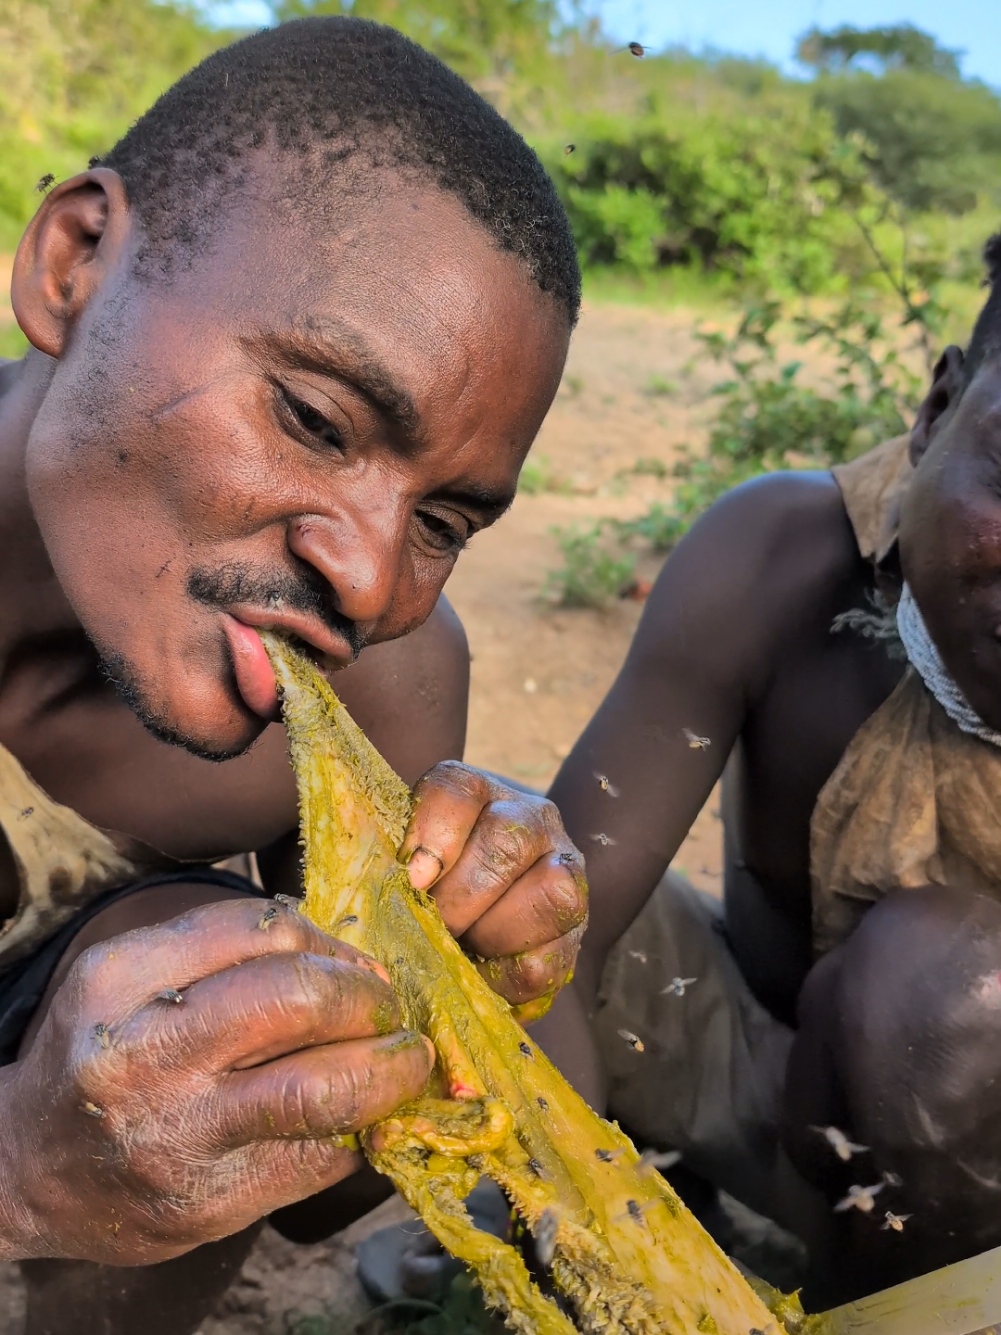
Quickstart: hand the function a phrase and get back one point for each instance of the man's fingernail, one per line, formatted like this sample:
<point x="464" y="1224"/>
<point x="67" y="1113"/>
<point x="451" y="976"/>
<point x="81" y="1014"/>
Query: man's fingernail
<point x="424" y="867"/>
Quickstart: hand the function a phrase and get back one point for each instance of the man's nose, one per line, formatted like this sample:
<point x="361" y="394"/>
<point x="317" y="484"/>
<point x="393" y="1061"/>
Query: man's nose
<point x="357" y="554"/>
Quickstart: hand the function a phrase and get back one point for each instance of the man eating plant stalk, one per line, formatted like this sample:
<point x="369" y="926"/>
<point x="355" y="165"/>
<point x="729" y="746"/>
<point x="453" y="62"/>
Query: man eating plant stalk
<point x="291" y="340"/>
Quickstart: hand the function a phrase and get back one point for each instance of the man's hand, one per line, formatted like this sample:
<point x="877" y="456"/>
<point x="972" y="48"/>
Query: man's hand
<point x="192" y="1077"/>
<point x="508" y="881"/>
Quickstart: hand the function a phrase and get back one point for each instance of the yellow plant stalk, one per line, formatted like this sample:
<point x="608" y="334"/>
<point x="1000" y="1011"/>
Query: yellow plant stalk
<point x="623" y="1247"/>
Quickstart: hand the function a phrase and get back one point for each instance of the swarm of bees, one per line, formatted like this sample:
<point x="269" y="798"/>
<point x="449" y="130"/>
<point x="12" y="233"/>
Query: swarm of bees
<point x="863" y="1199"/>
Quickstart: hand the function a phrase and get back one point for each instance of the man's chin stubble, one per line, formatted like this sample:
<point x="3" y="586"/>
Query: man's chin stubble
<point x="126" y="682"/>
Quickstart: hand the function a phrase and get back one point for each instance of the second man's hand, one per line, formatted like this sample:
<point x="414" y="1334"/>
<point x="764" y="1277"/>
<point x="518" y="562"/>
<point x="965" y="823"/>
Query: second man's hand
<point x="507" y="880"/>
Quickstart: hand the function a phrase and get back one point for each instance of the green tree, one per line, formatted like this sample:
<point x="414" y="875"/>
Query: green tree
<point x="73" y="75"/>
<point x="934" y="143"/>
<point x="486" y="41"/>
<point x="901" y="46"/>
<point x="933" y="139"/>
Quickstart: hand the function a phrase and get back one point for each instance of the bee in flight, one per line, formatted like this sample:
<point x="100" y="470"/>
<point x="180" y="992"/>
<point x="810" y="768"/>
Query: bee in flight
<point x="545" y="1237"/>
<point x="678" y="986"/>
<point x="839" y="1142"/>
<point x="605" y="785"/>
<point x="659" y="1159"/>
<point x="860" y="1198"/>
<point x="695" y="742"/>
<point x="634" y="1041"/>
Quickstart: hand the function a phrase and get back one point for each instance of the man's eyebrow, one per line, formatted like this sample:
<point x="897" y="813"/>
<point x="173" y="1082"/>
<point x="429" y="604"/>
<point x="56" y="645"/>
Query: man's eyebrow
<point x="489" y="502"/>
<point x="331" y="347"/>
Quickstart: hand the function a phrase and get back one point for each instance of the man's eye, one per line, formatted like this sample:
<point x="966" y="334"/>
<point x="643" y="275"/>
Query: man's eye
<point x="312" y="421"/>
<point x="446" y="535"/>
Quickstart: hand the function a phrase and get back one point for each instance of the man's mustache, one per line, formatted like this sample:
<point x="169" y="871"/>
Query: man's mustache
<point x="306" y="592"/>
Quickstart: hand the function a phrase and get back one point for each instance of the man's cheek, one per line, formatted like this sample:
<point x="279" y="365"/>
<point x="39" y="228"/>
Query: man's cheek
<point x="414" y="599"/>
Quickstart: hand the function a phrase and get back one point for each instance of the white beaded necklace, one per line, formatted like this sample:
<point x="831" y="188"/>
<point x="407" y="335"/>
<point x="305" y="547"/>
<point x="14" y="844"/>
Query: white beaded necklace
<point x="927" y="662"/>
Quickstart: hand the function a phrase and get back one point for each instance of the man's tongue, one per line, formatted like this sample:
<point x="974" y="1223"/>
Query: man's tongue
<point x="255" y="677"/>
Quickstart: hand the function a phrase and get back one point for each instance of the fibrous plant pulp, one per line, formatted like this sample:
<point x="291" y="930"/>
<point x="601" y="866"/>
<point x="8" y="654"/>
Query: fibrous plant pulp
<point x="618" y="1242"/>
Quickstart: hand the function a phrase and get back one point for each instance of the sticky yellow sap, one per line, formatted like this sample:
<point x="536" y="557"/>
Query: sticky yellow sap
<point x="625" y="1250"/>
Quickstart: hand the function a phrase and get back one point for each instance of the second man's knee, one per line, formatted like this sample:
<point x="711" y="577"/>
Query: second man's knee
<point x="916" y="1038"/>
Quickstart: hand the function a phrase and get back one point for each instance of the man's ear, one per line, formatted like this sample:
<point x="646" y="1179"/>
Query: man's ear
<point x="73" y="241"/>
<point x="946" y="387"/>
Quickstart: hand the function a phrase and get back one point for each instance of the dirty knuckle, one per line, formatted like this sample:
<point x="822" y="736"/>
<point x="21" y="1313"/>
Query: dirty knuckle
<point x="566" y="900"/>
<point x="453" y="776"/>
<point x="506" y="846"/>
<point x="348" y="1097"/>
<point x="535" y="974"/>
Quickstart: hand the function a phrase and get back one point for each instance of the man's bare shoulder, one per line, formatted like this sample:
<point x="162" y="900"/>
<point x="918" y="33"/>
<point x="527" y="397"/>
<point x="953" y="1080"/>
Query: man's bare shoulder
<point x="768" y="558"/>
<point x="779" y="514"/>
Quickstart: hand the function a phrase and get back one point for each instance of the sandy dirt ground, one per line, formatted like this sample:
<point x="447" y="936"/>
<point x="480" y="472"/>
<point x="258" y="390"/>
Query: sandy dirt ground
<point x="635" y="388"/>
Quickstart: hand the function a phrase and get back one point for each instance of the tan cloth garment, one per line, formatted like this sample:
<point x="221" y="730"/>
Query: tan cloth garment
<point x="914" y="800"/>
<point x="62" y="861"/>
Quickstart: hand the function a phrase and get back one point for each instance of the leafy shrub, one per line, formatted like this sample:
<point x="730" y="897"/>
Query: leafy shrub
<point x="768" y="420"/>
<point x="12" y="342"/>
<point x="73" y="75"/>
<point x="616" y="225"/>
<point x="753" y="195"/>
<point x="594" y="571"/>
<point x="539" y="475"/>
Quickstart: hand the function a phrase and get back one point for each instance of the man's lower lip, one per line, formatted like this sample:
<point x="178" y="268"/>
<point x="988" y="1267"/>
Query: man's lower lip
<point x="255" y="678"/>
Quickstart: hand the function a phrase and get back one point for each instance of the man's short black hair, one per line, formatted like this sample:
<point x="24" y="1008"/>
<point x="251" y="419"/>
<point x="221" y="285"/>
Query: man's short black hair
<point x="337" y="96"/>
<point x="985" y="341"/>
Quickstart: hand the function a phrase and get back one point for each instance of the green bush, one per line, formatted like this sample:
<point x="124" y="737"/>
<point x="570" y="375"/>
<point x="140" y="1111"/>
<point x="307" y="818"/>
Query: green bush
<point x="933" y="142"/>
<point x="767" y="419"/>
<point x="12" y="342"/>
<point x="616" y="225"/>
<point x="538" y="475"/>
<point x="594" y="569"/>
<point x="756" y="195"/>
<point x="73" y="75"/>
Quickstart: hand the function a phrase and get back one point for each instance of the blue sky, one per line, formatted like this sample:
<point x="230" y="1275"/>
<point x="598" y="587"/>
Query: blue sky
<point x="770" y="27"/>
